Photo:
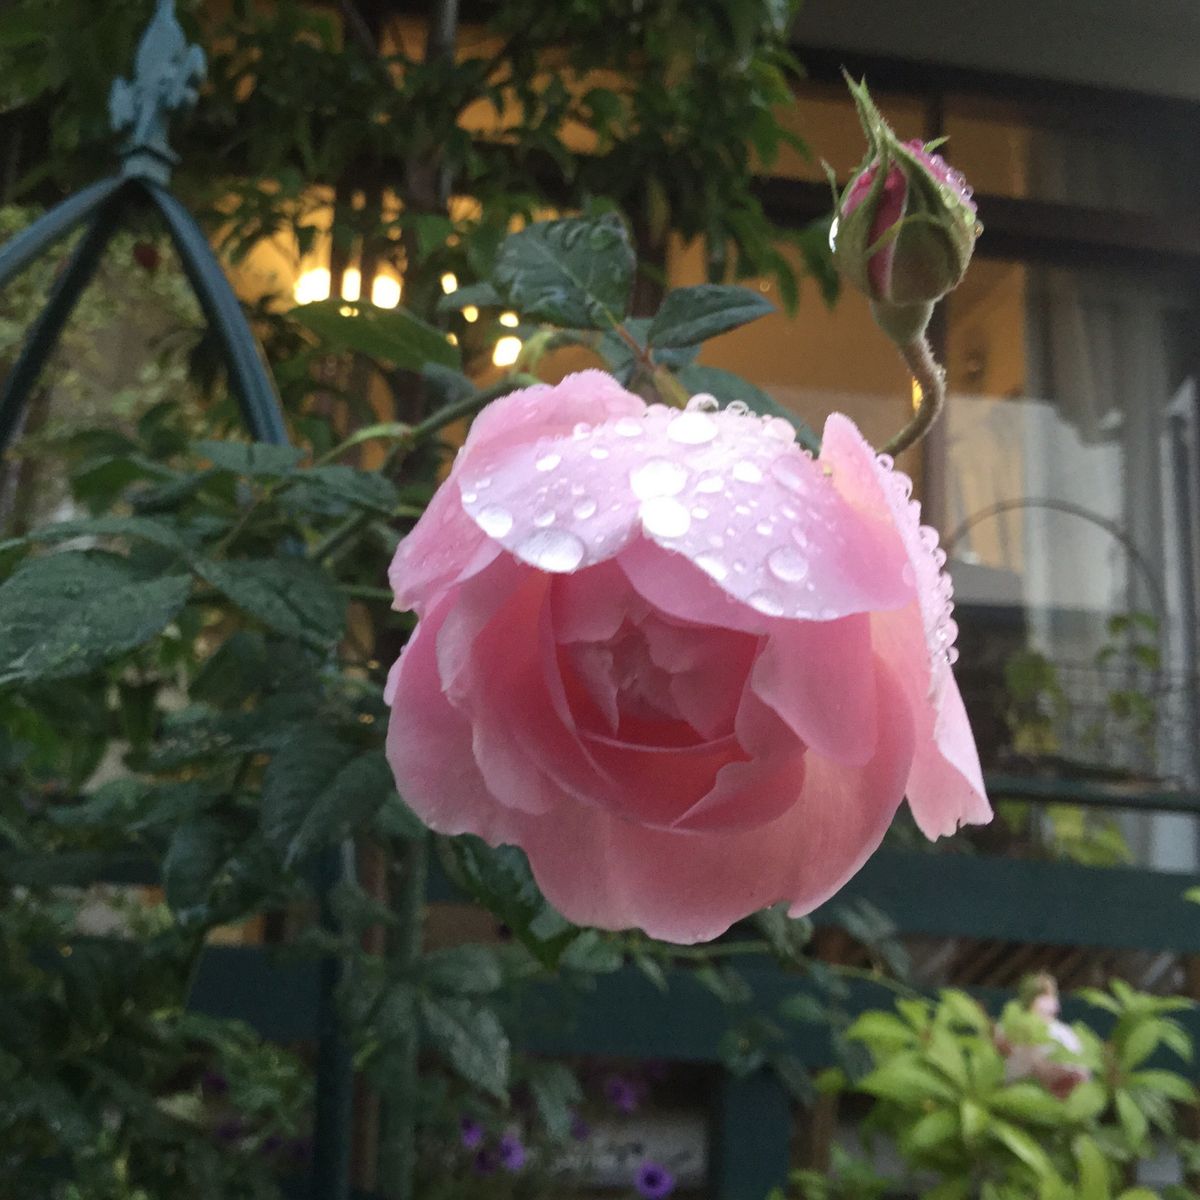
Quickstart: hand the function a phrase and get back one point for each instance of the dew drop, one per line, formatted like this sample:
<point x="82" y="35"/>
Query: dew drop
<point x="791" y="472"/>
<point x="628" y="427"/>
<point x="658" y="477"/>
<point x="700" y="512"/>
<point x="548" y="462"/>
<point x="710" y="484"/>
<point x="742" y="510"/>
<point x="692" y="428"/>
<point x="599" y="452"/>
<point x="712" y="566"/>
<point x="469" y="497"/>
<point x="483" y="482"/>
<point x="716" y="540"/>
<point x="584" y="508"/>
<point x="553" y="550"/>
<point x="779" y="429"/>
<point x="764" y="528"/>
<point x="767" y="604"/>
<point x="747" y="472"/>
<point x="952" y="655"/>
<point x="787" y="565"/>
<point x="494" y="520"/>
<point x="544" y="519"/>
<point x="664" y="516"/>
<point x="885" y="461"/>
<point x="739" y="566"/>
<point x="739" y="408"/>
<point x="703" y="402"/>
<point x="581" y="430"/>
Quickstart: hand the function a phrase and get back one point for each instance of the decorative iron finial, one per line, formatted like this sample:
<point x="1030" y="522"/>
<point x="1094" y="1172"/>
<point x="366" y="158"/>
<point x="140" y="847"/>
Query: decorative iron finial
<point x="166" y="78"/>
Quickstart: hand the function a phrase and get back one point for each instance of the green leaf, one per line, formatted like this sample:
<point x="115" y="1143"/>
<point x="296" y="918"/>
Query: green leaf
<point x="1087" y="1100"/>
<point x="462" y="970"/>
<point x="1094" y="1180"/>
<point x="1133" y="1120"/>
<point x="1165" y="1083"/>
<point x="931" y="1131"/>
<point x="105" y="527"/>
<point x="556" y="1093"/>
<point x="395" y="819"/>
<point x="65" y="614"/>
<point x="287" y="594"/>
<point x="727" y="387"/>
<point x="788" y="936"/>
<point x="249" y="458"/>
<point x="694" y="314"/>
<point x="575" y="273"/>
<point x="471" y="1040"/>
<point x="1024" y="1147"/>
<point x="1028" y="1103"/>
<point x="1140" y="1043"/>
<point x="974" y="1118"/>
<point x="481" y="295"/>
<point x="905" y="1079"/>
<point x="317" y="789"/>
<point x="592" y="953"/>
<point x="882" y="1030"/>
<point x="393" y="335"/>
<point x="195" y="855"/>
<point x="334" y="490"/>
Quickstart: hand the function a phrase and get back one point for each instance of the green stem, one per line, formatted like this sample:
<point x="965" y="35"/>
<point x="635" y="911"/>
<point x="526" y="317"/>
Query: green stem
<point x="398" y="1143"/>
<point x="901" y="989"/>
<point x="931" y="379"/>
<point x="704" y="953"/>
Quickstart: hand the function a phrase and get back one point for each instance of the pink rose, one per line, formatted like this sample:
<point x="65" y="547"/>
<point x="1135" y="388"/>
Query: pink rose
<point x="688" y="669"/>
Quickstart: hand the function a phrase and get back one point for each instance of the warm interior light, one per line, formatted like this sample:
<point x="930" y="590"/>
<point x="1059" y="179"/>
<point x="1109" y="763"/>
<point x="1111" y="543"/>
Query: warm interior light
<point x="385" y="292"/>
<point x="449" y="282"/>
<point x="351" y="284"/>
<point x="452" y="338"/>
<point x="510" y="320"/>
<point x="312" y="286"/>
<point x="917" y="395"/>
<point x="507" y="351"/>
<point x="470" y="313"/>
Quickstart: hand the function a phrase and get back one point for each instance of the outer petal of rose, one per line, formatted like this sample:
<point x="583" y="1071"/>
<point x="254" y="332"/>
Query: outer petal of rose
<point x="429" y="746"/>
<point x="599" y="869"/>
<point x="446" y="544"/>
<point x="820" y="678"/>
<point x="748" y="507"/>
<point x="946" y="787"/>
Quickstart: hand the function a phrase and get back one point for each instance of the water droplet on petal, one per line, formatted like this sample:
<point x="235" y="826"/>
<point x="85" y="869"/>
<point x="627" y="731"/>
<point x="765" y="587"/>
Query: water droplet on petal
<point x="787" y="565"/>
<point x="703" y="402"/>
<point x="747" y="472"/>
<point x="739" y="408"/>
<point x="628" y="427"/>
<point x="712" y="566"/>
<point x="766" y="603"/>
<point x="483" y="483"/>
<point x="599" y="452"/>
<point x="469" y="497"/>
<point x="548" y="462"/>
<point x="764" y="528"/>
<point x="700" y="512"/>
<point x="553" y="550"/>
<point x="952" y="655"/>
<point x="494" y="520"/>
<point x="780" y="429"/>
<point x="692" y="428"/>
<point x="885" y="461"/>
<point x="658" y="477"/>
<point x="710" y="483"/>
<point x="581" y="430"/>
<point x="791" y="472"/>
<point x="543" y="519"/>
<point x="664" y="516"/>
<point x="584" y="508"/>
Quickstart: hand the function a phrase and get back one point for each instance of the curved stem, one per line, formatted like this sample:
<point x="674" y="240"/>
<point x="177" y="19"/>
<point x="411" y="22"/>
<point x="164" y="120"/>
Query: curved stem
<point x="931" y="378"/>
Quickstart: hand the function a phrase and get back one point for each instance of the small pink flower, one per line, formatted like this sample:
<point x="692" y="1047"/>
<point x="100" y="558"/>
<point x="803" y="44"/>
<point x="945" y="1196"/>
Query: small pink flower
<point x="688" y="669"/>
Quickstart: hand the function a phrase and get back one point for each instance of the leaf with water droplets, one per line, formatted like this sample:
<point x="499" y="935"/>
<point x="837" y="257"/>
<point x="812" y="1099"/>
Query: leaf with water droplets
<point x="694" y="314"/>
<point x="288" y="595"/>
<point x="65" y="614"/>
<point x="575" y="273"/>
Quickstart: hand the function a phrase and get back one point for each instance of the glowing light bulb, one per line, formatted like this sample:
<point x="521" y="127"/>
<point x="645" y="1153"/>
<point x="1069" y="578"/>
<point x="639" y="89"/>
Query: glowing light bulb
<point x="449" y="282"/>
<point x="452" y="338"/>
<point x="507" y="351"/>
<point x="312" y="286"/>
<point x="351" y="284"/>
<point x="470" y="313"/>
<point x="917" y="395"/>
<point x="385" y="292"/>
<point x="509" y="320"/>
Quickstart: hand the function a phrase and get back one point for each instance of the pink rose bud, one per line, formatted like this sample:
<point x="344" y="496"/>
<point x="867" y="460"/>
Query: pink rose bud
<point x="689" y="669"/>
<point x="905" y="226"/>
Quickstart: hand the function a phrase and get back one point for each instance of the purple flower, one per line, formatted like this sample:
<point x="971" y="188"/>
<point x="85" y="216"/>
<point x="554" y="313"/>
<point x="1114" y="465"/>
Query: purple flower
<point x="512" y="1152"/>
<point x="580" y="1129"/>
<point x="654" y="1181"/>
<point x="231" y="1130"/>
<point x="621" y="1094"/>
<point x="486" y="1161"/>
<point x="470" y="1132"/>
<point x="213" y="1083"/>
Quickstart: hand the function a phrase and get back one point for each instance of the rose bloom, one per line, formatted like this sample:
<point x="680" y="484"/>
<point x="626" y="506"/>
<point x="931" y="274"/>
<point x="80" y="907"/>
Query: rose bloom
<point x="689" y="669"/>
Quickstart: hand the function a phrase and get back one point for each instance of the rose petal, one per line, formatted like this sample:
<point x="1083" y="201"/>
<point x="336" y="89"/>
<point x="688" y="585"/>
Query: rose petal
<point x="599" y="869"/>
<point x="946" y="788"/>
